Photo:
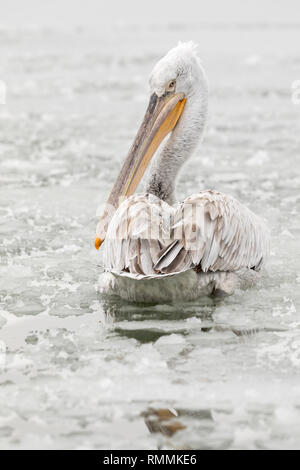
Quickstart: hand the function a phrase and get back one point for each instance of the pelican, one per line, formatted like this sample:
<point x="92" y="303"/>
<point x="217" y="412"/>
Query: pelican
<point x="155" y="249"/>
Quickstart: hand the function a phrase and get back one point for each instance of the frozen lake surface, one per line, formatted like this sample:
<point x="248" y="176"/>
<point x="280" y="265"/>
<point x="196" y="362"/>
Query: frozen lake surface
<point x="79" y="371"/>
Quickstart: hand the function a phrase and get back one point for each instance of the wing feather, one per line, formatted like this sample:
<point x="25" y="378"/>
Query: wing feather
<point x="138" y="232"/>
<point x="228" y="236"/>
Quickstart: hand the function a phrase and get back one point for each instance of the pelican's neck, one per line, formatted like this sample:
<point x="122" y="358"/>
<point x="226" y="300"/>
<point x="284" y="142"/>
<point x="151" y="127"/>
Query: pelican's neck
<point x="179" y="146"/>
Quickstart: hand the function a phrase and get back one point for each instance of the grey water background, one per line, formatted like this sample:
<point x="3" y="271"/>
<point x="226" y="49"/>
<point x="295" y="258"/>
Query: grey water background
<point x="79" y="371"/>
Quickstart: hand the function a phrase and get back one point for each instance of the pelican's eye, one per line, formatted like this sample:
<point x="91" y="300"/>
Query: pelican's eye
<point x="171" y="85"/>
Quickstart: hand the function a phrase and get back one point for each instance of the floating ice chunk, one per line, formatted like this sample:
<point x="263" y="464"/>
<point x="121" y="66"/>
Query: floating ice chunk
<point x="287" y="233"/>
<point x="258" y="159"/>
<point x="286" y="415"/>
<point x="170" y="339"/>
<point x="193" y="320"/>
<point x="3" y="321"/>
<point x="252" y="60"/>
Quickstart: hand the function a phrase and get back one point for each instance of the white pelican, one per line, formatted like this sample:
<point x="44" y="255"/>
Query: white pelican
<point x="155" y="250"/>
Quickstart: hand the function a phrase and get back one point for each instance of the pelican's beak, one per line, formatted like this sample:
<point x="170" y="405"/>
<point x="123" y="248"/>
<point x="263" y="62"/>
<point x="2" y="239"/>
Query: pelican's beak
<point x="161" y="117"/>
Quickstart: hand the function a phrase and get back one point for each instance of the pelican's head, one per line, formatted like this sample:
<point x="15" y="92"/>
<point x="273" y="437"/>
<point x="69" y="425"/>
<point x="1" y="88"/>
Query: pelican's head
<point x="173" y="82"/>
<point x="179" y="71"/>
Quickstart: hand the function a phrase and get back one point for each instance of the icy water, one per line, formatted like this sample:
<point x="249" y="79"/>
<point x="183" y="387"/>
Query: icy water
<point x="78" y="371"/>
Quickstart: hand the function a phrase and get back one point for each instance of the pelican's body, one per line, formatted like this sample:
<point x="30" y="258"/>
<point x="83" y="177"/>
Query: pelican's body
<point x="155" y="249"/>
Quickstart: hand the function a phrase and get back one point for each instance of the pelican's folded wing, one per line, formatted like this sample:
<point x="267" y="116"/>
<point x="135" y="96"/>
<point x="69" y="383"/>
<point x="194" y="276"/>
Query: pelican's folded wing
<point x="137" y="234"/>
<point x="218" y="233"/>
